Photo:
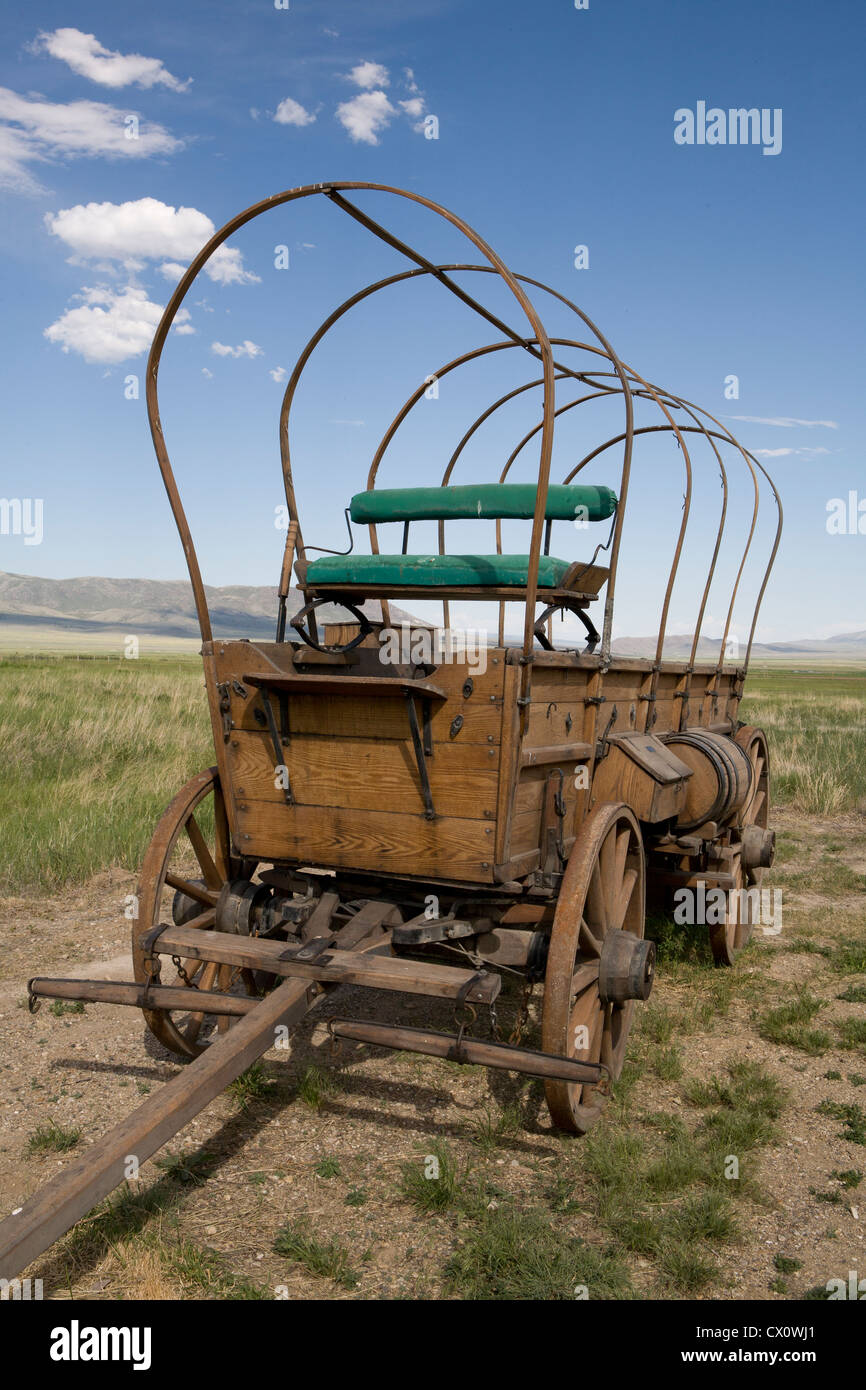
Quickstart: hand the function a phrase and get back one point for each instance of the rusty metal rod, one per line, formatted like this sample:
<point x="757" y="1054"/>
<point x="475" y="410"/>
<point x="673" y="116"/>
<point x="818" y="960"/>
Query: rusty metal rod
<point x="469" y="1051"/>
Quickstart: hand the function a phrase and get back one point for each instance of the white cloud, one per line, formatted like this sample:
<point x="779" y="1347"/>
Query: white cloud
<point x="16" y="152"/>
<point x="414" y="106"/>
<point x="146" y="229"/>
<point x="368" y="75"/>
<point x="84" y="54"/>
<point x="409" y="77"/>
<point x="291" y="112"/>
<point x="366" y="116"/>
<point x="244" y="349"/>
<point x="33" y="130"/>
<point x="111" y="325"/>
<point x="205" y="371"/>
<point x="783" y="453"/>
<point x="278" y="374"/>
<point x="226" y="267"/>
<point x="785" y="421"/>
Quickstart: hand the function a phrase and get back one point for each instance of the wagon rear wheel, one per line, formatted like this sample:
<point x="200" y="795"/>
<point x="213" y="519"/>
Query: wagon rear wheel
<point x="734" y="931"/>
<point x="603" y="891"/>
<point x="193" y="831"/>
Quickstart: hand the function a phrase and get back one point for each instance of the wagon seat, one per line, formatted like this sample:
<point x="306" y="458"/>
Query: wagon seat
<point x="561" y="583"/>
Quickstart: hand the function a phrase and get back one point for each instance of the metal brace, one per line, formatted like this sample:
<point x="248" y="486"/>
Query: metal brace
<point x="420" y="755"/>
<point x="277" y="746"/>
<point x="601" y="751"/>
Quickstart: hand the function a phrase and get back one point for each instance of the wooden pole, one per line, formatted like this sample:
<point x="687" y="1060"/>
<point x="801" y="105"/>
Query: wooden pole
<point x="46" y="1216"/>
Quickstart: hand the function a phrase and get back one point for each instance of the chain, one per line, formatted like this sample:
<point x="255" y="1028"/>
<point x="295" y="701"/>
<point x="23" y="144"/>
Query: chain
<point x="522" y="1014"/>
<point x="335" y="1047"/>
<point x="494" y="1022"/>
<point x="178" y="965"/>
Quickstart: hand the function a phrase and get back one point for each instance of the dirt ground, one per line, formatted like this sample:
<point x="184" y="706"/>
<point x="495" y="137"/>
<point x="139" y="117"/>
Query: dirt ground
<point x="88" y="1070"/>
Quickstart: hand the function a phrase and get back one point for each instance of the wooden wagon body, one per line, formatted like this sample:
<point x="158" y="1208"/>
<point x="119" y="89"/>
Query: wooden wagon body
<point x="390" y="808"/>
<point x="358" y="799"/>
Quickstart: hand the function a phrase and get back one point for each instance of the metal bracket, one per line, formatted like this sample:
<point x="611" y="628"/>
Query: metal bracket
<point x="420" y="756"/>
<point x="275" y="740"/>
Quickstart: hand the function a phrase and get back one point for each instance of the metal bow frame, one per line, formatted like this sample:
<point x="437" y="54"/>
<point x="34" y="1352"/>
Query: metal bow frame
<point x="606" y="376"/>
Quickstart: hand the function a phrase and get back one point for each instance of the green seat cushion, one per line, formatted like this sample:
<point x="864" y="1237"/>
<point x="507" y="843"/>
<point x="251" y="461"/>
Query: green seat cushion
<point x="507" y="500"/>
<point x="432" y="570"/>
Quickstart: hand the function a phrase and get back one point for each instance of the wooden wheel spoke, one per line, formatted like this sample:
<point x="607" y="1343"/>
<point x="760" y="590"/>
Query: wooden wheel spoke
<point x="203" y="854"/>
<point x="756" y="805"/>
<point x="622" y="843"/>
<point x="207" y="897"/>
<point x="589" y="939"/>
<point x="624" y="897"/>
<point x="586" y="1013"/>
<point x="607" y="1041"/>
<point x="607" y="859"/>
<point x="585" y="974"/>
<point x="225" y="980"/>
<point x="596" y="907"/>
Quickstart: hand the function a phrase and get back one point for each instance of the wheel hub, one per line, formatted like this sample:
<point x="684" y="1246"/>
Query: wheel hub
<point x="626" y="968"/>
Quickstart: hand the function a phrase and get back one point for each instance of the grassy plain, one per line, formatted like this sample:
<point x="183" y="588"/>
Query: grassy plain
<point x="766" y="1062"/>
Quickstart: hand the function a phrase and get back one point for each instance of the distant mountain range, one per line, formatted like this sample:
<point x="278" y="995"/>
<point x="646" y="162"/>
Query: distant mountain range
<point x="849" y="646"/>
<point x="92" y="612"/>
<point x="96" y="612"/>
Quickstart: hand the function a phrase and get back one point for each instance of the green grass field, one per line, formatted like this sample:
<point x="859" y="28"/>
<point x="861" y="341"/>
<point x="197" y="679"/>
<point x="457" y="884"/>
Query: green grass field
<point x="93" y="749"/>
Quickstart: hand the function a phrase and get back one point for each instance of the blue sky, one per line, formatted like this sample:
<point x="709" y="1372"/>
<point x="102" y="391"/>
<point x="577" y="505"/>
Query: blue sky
<point x="555" y="128"/>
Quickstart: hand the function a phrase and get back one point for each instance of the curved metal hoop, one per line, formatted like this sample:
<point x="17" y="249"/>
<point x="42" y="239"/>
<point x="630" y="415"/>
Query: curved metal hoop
<point x="618" y="380"/>
<point x="335" y="191"/>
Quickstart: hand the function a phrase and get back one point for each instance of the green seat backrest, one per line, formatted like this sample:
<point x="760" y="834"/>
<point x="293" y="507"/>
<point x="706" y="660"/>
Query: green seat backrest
<point x="492" y="500"/>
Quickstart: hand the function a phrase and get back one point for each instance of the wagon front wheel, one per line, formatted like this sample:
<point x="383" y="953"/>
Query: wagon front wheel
<point x="598" y="962"/>
<point x="186" y="865"/>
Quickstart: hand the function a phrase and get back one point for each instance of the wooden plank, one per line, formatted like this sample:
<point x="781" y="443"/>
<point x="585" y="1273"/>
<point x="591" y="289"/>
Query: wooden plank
<point x="333" y="717"/>
<point x="518" y="866"/>
<point x="334" y="967"/>
<point x="526" y="829"/>
<point x="366" y="774"/>
<point x="530" y="791"/>
<point x="557" y="753"/>
<point x="508" y="760"/>
<point x="685" y="878"/>
<point x="372" y="687"/>
<point x="319" y="921"/>
<point x="334" y="837"/>
<point x="555" y="721"/>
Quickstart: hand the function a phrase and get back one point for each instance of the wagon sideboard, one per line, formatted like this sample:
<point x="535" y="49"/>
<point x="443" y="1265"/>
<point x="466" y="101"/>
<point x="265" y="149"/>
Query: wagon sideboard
<point x="350" y="794"/>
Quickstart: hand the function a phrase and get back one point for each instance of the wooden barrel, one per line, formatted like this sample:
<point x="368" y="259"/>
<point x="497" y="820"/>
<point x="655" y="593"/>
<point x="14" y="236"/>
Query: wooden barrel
<point x="721" y="776"/>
